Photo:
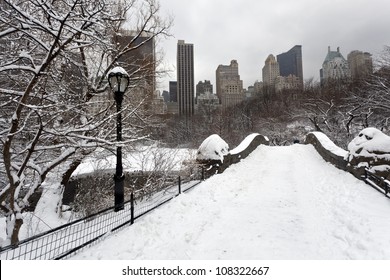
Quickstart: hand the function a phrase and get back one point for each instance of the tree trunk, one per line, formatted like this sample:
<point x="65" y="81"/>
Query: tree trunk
<point x="65" y="179"/>
<point x="13" y="224"/>
<point x="15" y="232"/>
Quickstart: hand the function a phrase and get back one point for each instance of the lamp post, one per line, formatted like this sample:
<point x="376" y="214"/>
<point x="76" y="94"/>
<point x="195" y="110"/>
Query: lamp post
<point x="118" y="80"/>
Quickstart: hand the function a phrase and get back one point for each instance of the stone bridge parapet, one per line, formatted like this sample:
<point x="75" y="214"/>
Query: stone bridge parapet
<point x="328" y="150"/>
<point x="247" y="146"/>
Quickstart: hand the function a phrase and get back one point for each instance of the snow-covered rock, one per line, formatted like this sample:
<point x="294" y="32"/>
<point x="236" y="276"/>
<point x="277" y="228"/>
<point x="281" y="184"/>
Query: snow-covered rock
<point x="370" y="141"/>
<point x="371" y="148"/>
<point x="212" y="148"/>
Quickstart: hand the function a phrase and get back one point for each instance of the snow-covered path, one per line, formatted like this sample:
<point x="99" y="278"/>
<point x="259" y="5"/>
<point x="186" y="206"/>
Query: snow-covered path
<point x="279" y="203"/>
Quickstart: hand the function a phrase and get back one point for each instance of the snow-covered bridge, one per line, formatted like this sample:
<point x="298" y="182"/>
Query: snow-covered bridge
<point x="278" y="203"/>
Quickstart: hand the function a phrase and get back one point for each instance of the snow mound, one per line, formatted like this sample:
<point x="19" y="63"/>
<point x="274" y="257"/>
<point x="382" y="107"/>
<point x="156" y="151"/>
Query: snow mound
<point x="213" y="148"/>
<point x="369" y="141"/>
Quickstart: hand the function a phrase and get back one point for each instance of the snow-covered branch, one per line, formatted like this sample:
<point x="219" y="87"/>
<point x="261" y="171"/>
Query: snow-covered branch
<point x="53" y="76"/>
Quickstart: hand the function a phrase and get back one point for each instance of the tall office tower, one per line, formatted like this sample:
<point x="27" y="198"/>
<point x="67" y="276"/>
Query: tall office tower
<point x="140" y="62"/>
<point x="360" y="64"/>
<point x="229" y="86"/>
<point x="185" y="78"/>
<point x="172" y="91"/>
<point x="270" y="72"/>
<point x="290" y="63"/>
<point x="334" y="68"/>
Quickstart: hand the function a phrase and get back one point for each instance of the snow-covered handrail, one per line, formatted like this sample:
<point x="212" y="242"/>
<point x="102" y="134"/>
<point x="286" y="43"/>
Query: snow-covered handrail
<point x="338" y="157"/>
<point x="379" y="183"/>
<point x="244" y="145"/>
<point x="329" y="151"/>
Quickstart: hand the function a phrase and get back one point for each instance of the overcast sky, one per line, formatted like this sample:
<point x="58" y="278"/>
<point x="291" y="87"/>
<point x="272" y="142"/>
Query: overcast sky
<point x="250" y="30"/>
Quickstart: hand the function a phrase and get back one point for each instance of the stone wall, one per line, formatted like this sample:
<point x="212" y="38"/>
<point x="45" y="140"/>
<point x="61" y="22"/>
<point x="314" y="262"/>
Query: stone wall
<point x="213" y="167"/>
<point x="326" y="154"/>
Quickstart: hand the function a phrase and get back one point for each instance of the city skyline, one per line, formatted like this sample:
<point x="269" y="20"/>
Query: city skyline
<point x="248" y="31"/>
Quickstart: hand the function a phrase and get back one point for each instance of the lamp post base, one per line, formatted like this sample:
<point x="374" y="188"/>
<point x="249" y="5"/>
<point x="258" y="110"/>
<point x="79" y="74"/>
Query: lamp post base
<point x="119" y="193"/>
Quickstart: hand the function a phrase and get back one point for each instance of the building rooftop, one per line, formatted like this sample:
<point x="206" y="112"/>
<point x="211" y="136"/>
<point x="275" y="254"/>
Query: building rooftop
<point x="331" y="55"/>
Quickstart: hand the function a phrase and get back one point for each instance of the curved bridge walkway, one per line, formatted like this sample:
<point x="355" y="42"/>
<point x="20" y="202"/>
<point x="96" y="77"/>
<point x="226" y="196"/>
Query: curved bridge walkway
<point x="278" y="203"/>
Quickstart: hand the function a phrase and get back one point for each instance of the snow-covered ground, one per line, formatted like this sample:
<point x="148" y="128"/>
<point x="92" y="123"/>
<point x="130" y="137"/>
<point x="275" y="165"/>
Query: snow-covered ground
<point x="278" y="203"/>
<point x="144" y="158"/>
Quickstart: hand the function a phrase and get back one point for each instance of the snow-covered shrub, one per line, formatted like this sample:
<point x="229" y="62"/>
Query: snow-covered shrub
<point x="371" y="148"/>
<point x="212" y="148"/>
<point x="148" y="169"/>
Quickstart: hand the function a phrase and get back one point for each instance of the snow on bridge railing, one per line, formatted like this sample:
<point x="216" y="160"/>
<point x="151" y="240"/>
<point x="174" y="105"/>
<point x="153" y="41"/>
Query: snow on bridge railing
<point x="338" y="157"/>
<point x="215" y="158"/>
<point x="377" y="182"/>
<point x="329" y="151"/>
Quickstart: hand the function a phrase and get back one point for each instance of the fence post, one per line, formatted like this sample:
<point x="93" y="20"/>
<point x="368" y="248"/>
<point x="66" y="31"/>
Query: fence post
<point x="132" y="208"/>
<point x="179" y="184"/>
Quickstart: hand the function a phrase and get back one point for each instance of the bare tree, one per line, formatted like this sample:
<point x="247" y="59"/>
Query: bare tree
<point x="369" y="102"/>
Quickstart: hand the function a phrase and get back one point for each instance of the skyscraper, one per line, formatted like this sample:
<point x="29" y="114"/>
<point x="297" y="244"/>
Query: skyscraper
<point x="229" y="86"/>
<point x="270" y="71"/>
<point x="140" y="62"/>
<point x="290" y="62"/>
<point x="172" y="91"/>
<point x="335" y="67"/>
<point x="360" y="64"/>
<point x="185" y="78"/>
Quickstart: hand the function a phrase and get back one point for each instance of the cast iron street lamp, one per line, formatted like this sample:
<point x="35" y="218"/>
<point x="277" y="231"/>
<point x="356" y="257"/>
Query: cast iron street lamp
<point x="118" y="80"/>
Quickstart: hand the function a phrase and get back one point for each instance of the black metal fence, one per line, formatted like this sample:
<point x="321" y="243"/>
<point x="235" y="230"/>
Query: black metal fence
<point x="379" y="183"/>
<point x="66" y="240"/>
